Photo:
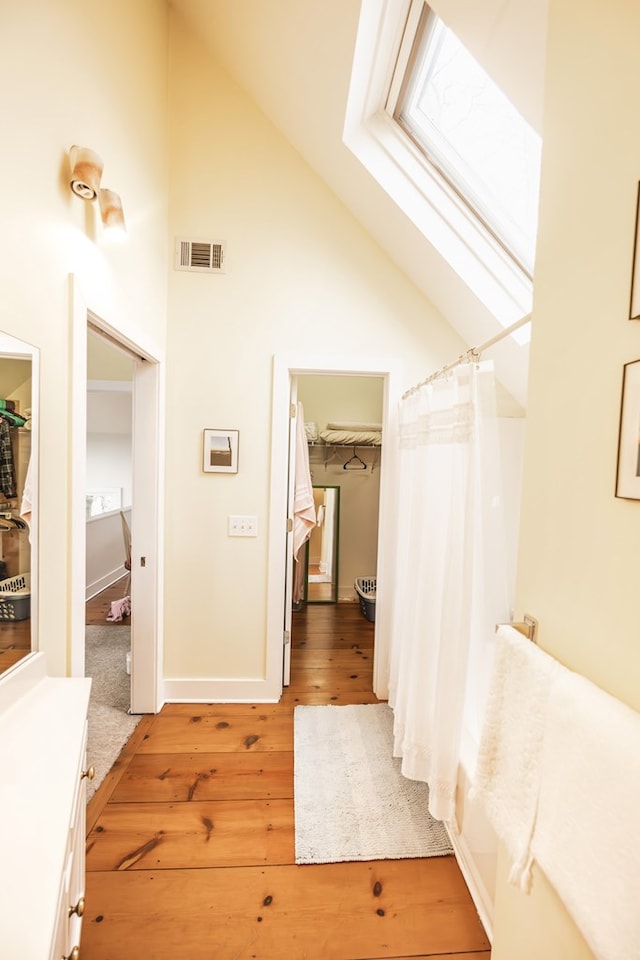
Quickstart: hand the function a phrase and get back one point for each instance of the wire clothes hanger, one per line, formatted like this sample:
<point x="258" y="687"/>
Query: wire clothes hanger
<point x="358" y="464"/>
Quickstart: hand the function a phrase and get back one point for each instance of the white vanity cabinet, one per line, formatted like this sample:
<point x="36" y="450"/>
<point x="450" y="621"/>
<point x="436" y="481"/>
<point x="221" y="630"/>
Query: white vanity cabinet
<point x="43" y="737"/>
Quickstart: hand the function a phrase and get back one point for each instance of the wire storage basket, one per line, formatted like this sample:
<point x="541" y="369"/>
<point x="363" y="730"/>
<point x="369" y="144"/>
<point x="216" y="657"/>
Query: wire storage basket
<point x="366" y="590"/>
<point x="15" y="597"/>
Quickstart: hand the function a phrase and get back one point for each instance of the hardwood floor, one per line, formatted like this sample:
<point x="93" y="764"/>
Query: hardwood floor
<point x="15" y="642"/>
<point x="190" y="845"/>
<point x="98" y="607"/>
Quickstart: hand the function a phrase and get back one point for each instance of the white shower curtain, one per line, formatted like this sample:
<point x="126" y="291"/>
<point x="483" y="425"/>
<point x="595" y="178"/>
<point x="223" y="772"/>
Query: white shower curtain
<point x="451" y="587"/>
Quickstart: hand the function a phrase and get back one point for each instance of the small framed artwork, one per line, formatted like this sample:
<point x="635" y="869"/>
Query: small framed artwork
<point x="220" y="451"/>
<point x="634" y="305"/>
<point x="628" y="473"/>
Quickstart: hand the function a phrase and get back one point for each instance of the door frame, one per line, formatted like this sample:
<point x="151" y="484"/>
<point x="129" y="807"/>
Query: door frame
<point x="148" y="491"/>
<point x="286" y="367"/>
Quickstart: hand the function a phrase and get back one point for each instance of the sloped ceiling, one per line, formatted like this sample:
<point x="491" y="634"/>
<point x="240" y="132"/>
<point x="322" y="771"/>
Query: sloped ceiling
<point x="294" y="59"/>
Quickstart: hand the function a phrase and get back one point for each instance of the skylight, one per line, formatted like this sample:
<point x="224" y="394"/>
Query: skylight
<point x="471" y="133"/>
<point x="460" y="189"/>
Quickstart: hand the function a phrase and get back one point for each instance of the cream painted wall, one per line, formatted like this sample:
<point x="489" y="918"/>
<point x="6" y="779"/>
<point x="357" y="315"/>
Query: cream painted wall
<point x="300" y="275"/>
<point x="106" y="362"/>
<point x="75" y="72"/>
<point x="578" y="571"/>
<point x="327" y="398"/>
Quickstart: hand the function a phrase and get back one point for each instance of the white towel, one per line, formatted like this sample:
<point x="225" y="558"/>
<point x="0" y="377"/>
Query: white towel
<point x="587" y="832"/>
<point x="304" y="509"/>
<point x="507" y="777"/>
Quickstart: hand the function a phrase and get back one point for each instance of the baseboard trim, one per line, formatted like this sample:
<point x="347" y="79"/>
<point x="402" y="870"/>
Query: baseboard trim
<point x="218" y="691"/>
<point x="93" y="589"/>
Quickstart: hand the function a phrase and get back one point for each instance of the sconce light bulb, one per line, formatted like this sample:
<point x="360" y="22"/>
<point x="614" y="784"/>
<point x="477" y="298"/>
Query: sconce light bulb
<point x="86" y="172"/>
<point x="112" y="213"/>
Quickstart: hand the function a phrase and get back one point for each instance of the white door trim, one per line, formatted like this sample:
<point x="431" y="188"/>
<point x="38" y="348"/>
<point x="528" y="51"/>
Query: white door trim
<point x="284" y="367"/>
<point x="146" y="692"/>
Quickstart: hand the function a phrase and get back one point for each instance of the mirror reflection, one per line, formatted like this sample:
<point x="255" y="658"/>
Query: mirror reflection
<point x="16" y="400"/>
<point x="321" y="580"/>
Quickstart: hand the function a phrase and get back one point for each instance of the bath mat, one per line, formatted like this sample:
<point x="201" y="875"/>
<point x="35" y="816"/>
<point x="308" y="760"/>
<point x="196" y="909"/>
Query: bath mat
<point x="351" y="801"/>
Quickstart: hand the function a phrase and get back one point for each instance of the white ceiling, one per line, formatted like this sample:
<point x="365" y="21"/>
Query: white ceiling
<point x="294" y="59"/>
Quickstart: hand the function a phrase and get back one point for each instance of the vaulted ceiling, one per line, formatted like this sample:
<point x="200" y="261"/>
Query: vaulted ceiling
<point x="294" y="59"/>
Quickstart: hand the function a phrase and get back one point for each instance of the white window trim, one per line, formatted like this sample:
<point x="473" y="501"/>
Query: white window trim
<point x="414" y="185"/>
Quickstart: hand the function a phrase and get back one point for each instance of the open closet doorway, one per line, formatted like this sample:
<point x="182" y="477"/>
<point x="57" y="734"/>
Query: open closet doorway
<point x="344" y="463"/>
<point x="109" y="507"/>
<point x="291" y="376"/>
<point x="146" y="488"/>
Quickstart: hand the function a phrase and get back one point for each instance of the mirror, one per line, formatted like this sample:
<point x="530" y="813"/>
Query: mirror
<point x="321" y="580"/>
<point x="18" y="476"/>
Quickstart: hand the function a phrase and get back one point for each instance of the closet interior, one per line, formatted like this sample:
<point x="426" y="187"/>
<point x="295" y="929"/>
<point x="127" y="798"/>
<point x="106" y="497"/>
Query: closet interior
<point x="343" y="427"/>
<point x="15" y="512"/>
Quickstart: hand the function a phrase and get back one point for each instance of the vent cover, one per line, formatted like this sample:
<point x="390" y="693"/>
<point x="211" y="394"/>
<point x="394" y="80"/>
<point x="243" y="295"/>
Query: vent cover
<point x="200" y="256"/>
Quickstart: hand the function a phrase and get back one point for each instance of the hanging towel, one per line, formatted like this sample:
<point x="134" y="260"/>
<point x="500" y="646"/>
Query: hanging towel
<point x="587" y="833"/>
<point x="507" y="777"/>
<point x="304" y="509"/>
<point x="26" y="503"/>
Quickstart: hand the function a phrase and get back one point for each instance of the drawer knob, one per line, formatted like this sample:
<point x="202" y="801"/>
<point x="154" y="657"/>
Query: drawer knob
<point x="78" y="909"/>
<point x="89" y="774"/>
<point x="74" y="955"/>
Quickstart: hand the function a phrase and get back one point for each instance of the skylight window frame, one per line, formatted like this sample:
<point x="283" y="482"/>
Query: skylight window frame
<point x="428" y="201"/>
<point x="421" y="25"/>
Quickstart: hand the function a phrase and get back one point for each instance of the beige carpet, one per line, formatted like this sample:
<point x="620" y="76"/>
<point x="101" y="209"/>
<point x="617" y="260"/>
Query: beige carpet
<point x="110" y="726"/>
<point x="351" y="801"/>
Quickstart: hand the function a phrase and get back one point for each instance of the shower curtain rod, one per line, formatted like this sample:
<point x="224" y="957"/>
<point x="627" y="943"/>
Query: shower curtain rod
<point x="473" y="353"/>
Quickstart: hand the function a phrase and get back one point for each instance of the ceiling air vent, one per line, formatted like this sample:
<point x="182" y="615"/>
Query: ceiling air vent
<point x="200" y="256"/>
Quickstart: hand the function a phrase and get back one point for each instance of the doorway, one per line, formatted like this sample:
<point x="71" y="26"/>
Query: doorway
<point x="146" y="563"/>
<point x="286" y="372"/>
<point x="109" y="506"/>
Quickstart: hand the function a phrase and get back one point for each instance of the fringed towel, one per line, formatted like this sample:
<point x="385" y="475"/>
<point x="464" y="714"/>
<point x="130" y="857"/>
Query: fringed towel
<point x="304" y="510"/>
<point x="507" y="780"/>
<point x="587" y="832"/>
<point x="558" y="776"/>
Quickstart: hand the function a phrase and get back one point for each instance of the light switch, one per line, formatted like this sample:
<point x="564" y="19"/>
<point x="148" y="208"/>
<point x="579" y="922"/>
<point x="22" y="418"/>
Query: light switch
<point x="243" y="526"/>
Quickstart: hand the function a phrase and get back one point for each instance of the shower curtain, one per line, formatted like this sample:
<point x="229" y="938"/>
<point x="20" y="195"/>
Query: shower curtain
<point x="451" y="584"/>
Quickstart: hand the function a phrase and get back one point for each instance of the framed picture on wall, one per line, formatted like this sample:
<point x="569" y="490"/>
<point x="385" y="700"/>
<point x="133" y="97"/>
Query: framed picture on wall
<point x="628" y="473"/>
<point x="634" y="305"/>
<point x="220" y="451"/>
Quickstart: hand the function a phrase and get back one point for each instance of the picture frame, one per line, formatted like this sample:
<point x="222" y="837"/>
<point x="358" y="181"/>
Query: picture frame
<point x="628" y="470"/>
<point x="220" y="451"/>
<point x="634" y="303"/>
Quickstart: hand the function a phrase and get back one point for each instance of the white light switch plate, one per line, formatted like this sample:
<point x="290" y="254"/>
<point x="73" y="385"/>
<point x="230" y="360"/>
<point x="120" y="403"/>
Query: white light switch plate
<point x="243" y="526"/>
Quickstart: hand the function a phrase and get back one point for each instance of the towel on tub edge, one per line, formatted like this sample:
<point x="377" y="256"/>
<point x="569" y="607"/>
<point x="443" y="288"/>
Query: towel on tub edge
<point x="558" y="776"/>
<point x="507" y="777"/>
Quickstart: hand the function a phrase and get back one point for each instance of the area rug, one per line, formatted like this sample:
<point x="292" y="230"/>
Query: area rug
<point x="351" y="801"/>
<point x="110" y="726"/>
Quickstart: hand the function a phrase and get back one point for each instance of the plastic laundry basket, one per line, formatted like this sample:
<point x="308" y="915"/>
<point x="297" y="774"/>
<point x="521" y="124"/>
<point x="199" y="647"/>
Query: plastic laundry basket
<point x="366" y="590"/>
<point x="15" y="598"/>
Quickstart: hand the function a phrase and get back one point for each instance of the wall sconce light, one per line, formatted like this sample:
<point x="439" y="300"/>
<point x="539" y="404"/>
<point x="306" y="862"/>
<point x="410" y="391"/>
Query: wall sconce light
<point x="86" y="172"/>
<point x="112" y="213"/>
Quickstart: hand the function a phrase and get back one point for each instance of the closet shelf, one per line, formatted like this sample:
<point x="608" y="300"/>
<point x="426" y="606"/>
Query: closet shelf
<point x="333" y="450"/>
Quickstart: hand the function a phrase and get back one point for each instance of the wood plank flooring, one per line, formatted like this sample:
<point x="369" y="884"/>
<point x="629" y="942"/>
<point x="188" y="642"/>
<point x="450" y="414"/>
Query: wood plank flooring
<point x="98" y="607"/>
<point x="190" y="845"/>
<point x="15" y="642"/>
